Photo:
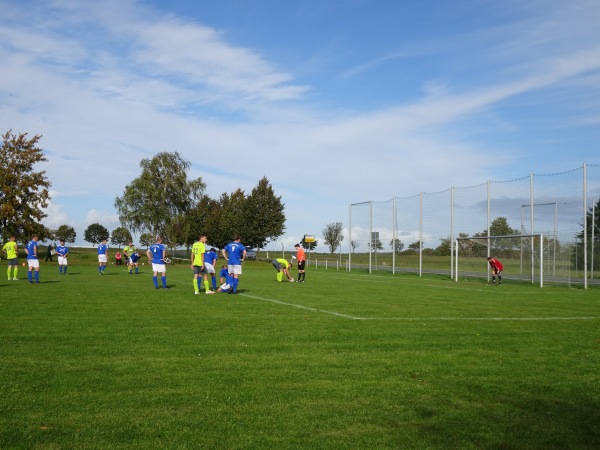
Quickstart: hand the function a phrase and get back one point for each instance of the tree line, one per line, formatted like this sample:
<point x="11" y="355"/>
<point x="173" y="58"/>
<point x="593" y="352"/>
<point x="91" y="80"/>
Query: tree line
<point x="162" y="200"/>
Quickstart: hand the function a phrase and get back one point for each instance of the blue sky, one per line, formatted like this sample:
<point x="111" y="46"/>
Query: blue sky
<point x="336" y="102"/>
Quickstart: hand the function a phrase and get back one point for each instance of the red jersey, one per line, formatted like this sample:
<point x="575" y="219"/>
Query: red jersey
<point x="495" y="264"/>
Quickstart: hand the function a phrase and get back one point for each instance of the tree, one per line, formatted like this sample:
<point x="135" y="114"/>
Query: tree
<point x="225" y="219"/>
<point x="332" y="235"/>
<point x="444" y="248"/>
<point x="375" y="244"/>
<point x="162" y="192"/>
<point x="592" y="227"/>
<point x="23" y="191"/>
<point x="415" y="246"/>
<point x="65" y="233"/>
<point x="120" y="236"/>
<point x="95" y="233"/>
<point x="146" y="239"/>
<point x="263" y="215"/>
<point x="500" y="227"/>
<point x="397" y="245"/>
<point x="354" y="245"/>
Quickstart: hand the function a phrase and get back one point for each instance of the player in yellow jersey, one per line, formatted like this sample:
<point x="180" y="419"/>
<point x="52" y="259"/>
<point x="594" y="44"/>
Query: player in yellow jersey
<point x="197" y="260"/>
<point x="11" y="250"/>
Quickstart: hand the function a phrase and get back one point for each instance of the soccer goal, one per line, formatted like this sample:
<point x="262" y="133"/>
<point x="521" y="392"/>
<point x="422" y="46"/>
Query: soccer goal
<point x="523" y="256"/>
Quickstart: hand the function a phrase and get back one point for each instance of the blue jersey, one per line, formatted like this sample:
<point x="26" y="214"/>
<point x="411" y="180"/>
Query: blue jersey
<point x="61" y="250"/>
<point x="31" y="252"/>
<point x="224" y="273"/>
<point x="234" y="250"/>
<point x="211" y="258"/>
<point x="157" y="250"/>
<point x="102" y="249"/>
<point x="134" y="257"/>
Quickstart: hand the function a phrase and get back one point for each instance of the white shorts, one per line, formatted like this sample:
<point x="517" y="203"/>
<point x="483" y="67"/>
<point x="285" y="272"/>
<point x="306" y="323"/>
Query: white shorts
<point x="235" y="269"/>
<point x="62" y="260"/>
<point x="102" y="258"/>
<point x="225" y="287"/>
<point x="209" y="268"/>
<point x="158" y="268"/>
<point x="34" y="263"/>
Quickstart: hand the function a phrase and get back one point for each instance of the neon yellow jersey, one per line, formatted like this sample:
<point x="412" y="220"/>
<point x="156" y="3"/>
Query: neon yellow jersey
<point x="198" y="251"/>
<point x="11" y="250"/>
<point x="284" y="263"/>
<point x="129" y="250"/>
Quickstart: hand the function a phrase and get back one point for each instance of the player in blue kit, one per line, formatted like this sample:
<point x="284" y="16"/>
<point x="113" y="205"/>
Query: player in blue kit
<point x="234" y="253"/>
<point x="134" y="259"/>
<point x="32" y="259"/>
<point x="62" y="253"/>
<point x="157" y="253"/>
<point x="210" y="263"/>
<point x="226" y="280"/>
<point x="102" y="256"/>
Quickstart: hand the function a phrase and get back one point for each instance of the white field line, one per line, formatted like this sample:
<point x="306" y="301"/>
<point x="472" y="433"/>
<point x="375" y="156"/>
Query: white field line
<point x="416" y="319"/>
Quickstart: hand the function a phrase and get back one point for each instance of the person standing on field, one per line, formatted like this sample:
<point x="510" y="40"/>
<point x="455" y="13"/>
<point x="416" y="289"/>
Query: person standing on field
<point x="301" y="257"/>
<point x="128" y="251"/>
<point x="235" y="254"/>
<point x="157" y="254"/>
<point x="62" y="253"/>
<point x="497" y="268"/>
<point x="197" y="259"/>
<point x="102" y="256"/>
<point x="210" y="264"/>
<point x="12" y="252"/>
<point x="32" y="260"/>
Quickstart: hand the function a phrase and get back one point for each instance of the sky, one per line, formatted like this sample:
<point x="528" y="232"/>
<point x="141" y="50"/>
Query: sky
<point x="335" y="102"/>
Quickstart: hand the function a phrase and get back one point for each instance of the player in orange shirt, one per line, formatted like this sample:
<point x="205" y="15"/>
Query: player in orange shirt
<point x="301" y="257"/>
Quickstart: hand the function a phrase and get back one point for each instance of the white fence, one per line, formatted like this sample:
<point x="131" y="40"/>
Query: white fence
<point x="556" y="205"/>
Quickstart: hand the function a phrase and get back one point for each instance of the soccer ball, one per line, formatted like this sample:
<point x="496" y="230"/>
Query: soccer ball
<point x="23" y="264"/>
<point x="292" y="280"/>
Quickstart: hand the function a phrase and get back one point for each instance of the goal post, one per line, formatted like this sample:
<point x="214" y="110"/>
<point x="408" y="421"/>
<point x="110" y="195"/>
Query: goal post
<point x="522" y="256"/>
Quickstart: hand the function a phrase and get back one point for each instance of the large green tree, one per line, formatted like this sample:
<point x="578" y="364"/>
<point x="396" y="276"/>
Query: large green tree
<point x="95" y="233"/>
<point x="23" y="191"/>
<point x="160" y="195"/>
<point x="225" y="219"/>
<point x="120" y="236"/>
<point x="264" y="218"/>
<point x="332" y="235"/>
<point x="65" y="233"/>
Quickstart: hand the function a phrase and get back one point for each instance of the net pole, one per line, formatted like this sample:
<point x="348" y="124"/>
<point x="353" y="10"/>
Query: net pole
<point x="593" y="240"/>
<point x="394" y="235"/>
<point x="456" y="261"/>
<point x="541" y="260"/>
<point x="420" y="234"/>
<point x="370" y="235"/>
<point x="350" y="237"/>
<point x="531" y="213"/>
<point x="451" y="232"/>
<point x="489" y="184"/>
<point x="585" y="249"/>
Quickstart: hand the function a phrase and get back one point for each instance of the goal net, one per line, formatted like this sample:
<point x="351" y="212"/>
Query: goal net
<point x="534" y="258"/>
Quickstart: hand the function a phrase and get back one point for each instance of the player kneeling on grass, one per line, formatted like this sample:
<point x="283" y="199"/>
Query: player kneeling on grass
<point x="226" y="281"/>
<point x="283" y="268"/>
<point x="496" y="267"/>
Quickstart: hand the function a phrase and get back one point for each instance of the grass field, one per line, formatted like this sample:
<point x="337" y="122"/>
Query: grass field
<point x="343" y="361"/>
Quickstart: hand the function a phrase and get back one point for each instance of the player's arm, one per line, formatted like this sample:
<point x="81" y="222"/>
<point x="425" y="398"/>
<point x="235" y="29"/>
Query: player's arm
<point x="244" y="255"/>
<point x="224" y="253"/>
<point x="148" y="254"/>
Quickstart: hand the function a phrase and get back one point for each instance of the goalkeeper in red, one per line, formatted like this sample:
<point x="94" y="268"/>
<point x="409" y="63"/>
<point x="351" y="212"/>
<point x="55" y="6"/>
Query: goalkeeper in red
<point x="496" y="267"/>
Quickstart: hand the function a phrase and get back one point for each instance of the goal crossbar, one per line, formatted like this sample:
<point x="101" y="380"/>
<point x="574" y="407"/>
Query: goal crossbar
<point x="486" y="239"/>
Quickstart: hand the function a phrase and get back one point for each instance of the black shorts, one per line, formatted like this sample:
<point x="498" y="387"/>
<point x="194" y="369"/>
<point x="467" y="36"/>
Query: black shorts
<point x="277" y="265"/>
<point x="198" y="270"/>
<point x="301" y="264"/>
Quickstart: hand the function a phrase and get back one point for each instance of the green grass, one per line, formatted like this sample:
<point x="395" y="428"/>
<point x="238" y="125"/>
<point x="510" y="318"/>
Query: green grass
<point x="343" y="361"/>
